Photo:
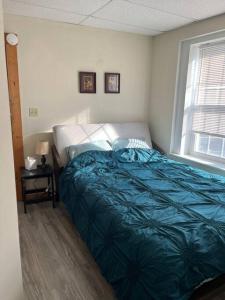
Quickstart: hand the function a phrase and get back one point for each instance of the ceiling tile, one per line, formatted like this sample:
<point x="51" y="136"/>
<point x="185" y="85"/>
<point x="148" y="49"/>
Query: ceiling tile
<point x="83" y="7"/>
<point x="22" y="9"/>
<point x="100" y="23"/>
<point x="139" y="16"/>
<point x="197" y="9"/>
<point x="132" y="14"/>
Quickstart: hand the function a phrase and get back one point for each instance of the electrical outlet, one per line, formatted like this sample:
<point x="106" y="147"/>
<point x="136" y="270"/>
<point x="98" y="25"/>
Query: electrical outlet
<point x="33" y="112"/>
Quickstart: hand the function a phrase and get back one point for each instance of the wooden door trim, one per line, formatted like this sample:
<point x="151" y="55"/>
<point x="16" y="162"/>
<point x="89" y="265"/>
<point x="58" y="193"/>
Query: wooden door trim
<point x="15" y="111"/>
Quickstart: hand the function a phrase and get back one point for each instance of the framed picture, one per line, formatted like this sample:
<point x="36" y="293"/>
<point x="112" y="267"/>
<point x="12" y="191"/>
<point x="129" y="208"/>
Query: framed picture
<point x="112" y="83"/>
<point x="87" y="82"/>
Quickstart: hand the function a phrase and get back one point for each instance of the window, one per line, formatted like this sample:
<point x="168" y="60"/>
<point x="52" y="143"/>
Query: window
<point x="203" y="116"/>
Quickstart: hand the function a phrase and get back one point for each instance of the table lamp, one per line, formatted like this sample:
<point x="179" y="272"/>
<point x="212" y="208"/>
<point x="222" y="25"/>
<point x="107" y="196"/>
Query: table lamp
<point x="42" y="148"/>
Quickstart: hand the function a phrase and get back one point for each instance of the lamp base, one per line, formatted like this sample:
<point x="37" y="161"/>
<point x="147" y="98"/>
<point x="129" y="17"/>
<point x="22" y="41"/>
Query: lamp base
<point x="43" y="161"/>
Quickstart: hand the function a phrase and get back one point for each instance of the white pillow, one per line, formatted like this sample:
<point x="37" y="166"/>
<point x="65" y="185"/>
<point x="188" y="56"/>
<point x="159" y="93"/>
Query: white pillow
<point x="75" y="150"/>
<point x="129" y="143"/>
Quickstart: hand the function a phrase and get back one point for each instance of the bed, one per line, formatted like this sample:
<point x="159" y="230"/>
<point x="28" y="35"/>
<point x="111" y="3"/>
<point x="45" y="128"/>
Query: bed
<point x="155" y="227"/>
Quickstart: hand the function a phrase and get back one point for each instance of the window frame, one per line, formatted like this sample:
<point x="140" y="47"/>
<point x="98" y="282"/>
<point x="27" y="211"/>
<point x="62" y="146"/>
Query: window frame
<point x="178" y="146"/>
<point x="204" y="156"/>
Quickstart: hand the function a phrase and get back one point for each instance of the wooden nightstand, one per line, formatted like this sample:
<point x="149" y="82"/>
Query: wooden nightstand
<point x="45" y="194"/>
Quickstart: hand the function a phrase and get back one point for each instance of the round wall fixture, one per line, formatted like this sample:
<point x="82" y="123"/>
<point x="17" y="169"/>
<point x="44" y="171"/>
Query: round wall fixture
<point x="12" y="39"/>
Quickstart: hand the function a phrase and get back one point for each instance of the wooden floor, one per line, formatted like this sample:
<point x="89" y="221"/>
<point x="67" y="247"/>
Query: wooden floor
<point x="57" y="265"/>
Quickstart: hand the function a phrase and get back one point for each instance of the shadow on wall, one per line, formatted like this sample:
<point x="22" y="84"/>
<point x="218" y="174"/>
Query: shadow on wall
<point x="31" y="141"/>
<point x="84" y="116"/>
<point x="45" y="134"/>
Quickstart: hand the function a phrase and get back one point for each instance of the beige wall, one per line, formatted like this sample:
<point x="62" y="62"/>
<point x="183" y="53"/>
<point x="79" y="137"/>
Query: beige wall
<point x="50" y="56"/>
<point x="10" y="277"/>
<point x="164" y="66"/>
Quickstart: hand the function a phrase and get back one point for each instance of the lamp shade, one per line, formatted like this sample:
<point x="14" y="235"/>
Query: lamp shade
<point x="42" y="148"/>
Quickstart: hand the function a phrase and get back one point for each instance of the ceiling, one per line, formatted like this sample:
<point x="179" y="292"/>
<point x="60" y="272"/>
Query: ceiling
<point x="148" y="17"/>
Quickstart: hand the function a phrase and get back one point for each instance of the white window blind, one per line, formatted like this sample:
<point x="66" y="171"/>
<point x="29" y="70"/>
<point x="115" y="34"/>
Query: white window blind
<point x="209" y="102"/>
<point x="204" y="112"/>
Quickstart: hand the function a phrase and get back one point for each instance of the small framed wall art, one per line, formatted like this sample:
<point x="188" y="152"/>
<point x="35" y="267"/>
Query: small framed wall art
<point x="87" y="82"/>
<point x="112" y="83"/>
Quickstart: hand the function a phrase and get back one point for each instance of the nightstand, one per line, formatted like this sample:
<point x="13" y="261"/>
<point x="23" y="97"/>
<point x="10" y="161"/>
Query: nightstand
<point x="44" y="194"/>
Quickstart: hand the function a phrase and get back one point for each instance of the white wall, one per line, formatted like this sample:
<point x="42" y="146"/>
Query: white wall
<point x="10" y="277"/>
<point x="163" y="79"/>
<point x="51" y="54"/>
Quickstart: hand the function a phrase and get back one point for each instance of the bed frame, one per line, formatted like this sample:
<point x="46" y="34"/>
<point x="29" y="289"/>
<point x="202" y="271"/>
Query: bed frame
<point x="57" y="169"/>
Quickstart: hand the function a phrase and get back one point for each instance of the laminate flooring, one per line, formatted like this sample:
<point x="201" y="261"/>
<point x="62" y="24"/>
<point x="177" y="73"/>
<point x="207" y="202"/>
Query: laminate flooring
<point x="56" y="263"/>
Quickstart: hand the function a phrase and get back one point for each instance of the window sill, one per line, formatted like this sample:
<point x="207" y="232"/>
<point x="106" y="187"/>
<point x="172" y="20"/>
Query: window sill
<point x="206" y="165"/>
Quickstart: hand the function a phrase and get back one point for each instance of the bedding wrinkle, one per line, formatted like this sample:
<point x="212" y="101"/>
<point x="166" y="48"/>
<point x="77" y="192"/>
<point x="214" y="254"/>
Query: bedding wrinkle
<point x="155" y="227"/>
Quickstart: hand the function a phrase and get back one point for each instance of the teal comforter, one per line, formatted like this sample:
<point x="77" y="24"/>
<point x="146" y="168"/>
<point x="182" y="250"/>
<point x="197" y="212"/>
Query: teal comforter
<point x="155" y="227"/>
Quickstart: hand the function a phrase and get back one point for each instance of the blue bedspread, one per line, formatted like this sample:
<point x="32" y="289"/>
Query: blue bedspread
<point x="155" y="227"/>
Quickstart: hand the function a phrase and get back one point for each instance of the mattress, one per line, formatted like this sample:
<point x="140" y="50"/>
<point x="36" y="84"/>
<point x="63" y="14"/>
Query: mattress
<point x="155" y="227"/>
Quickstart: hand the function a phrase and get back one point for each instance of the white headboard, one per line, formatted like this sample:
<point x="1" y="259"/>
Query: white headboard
<point x="66" y="135"/>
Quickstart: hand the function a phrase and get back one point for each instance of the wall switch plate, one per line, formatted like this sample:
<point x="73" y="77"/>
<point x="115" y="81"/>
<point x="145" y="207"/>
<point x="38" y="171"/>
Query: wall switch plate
<point x="33" y="112"/>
